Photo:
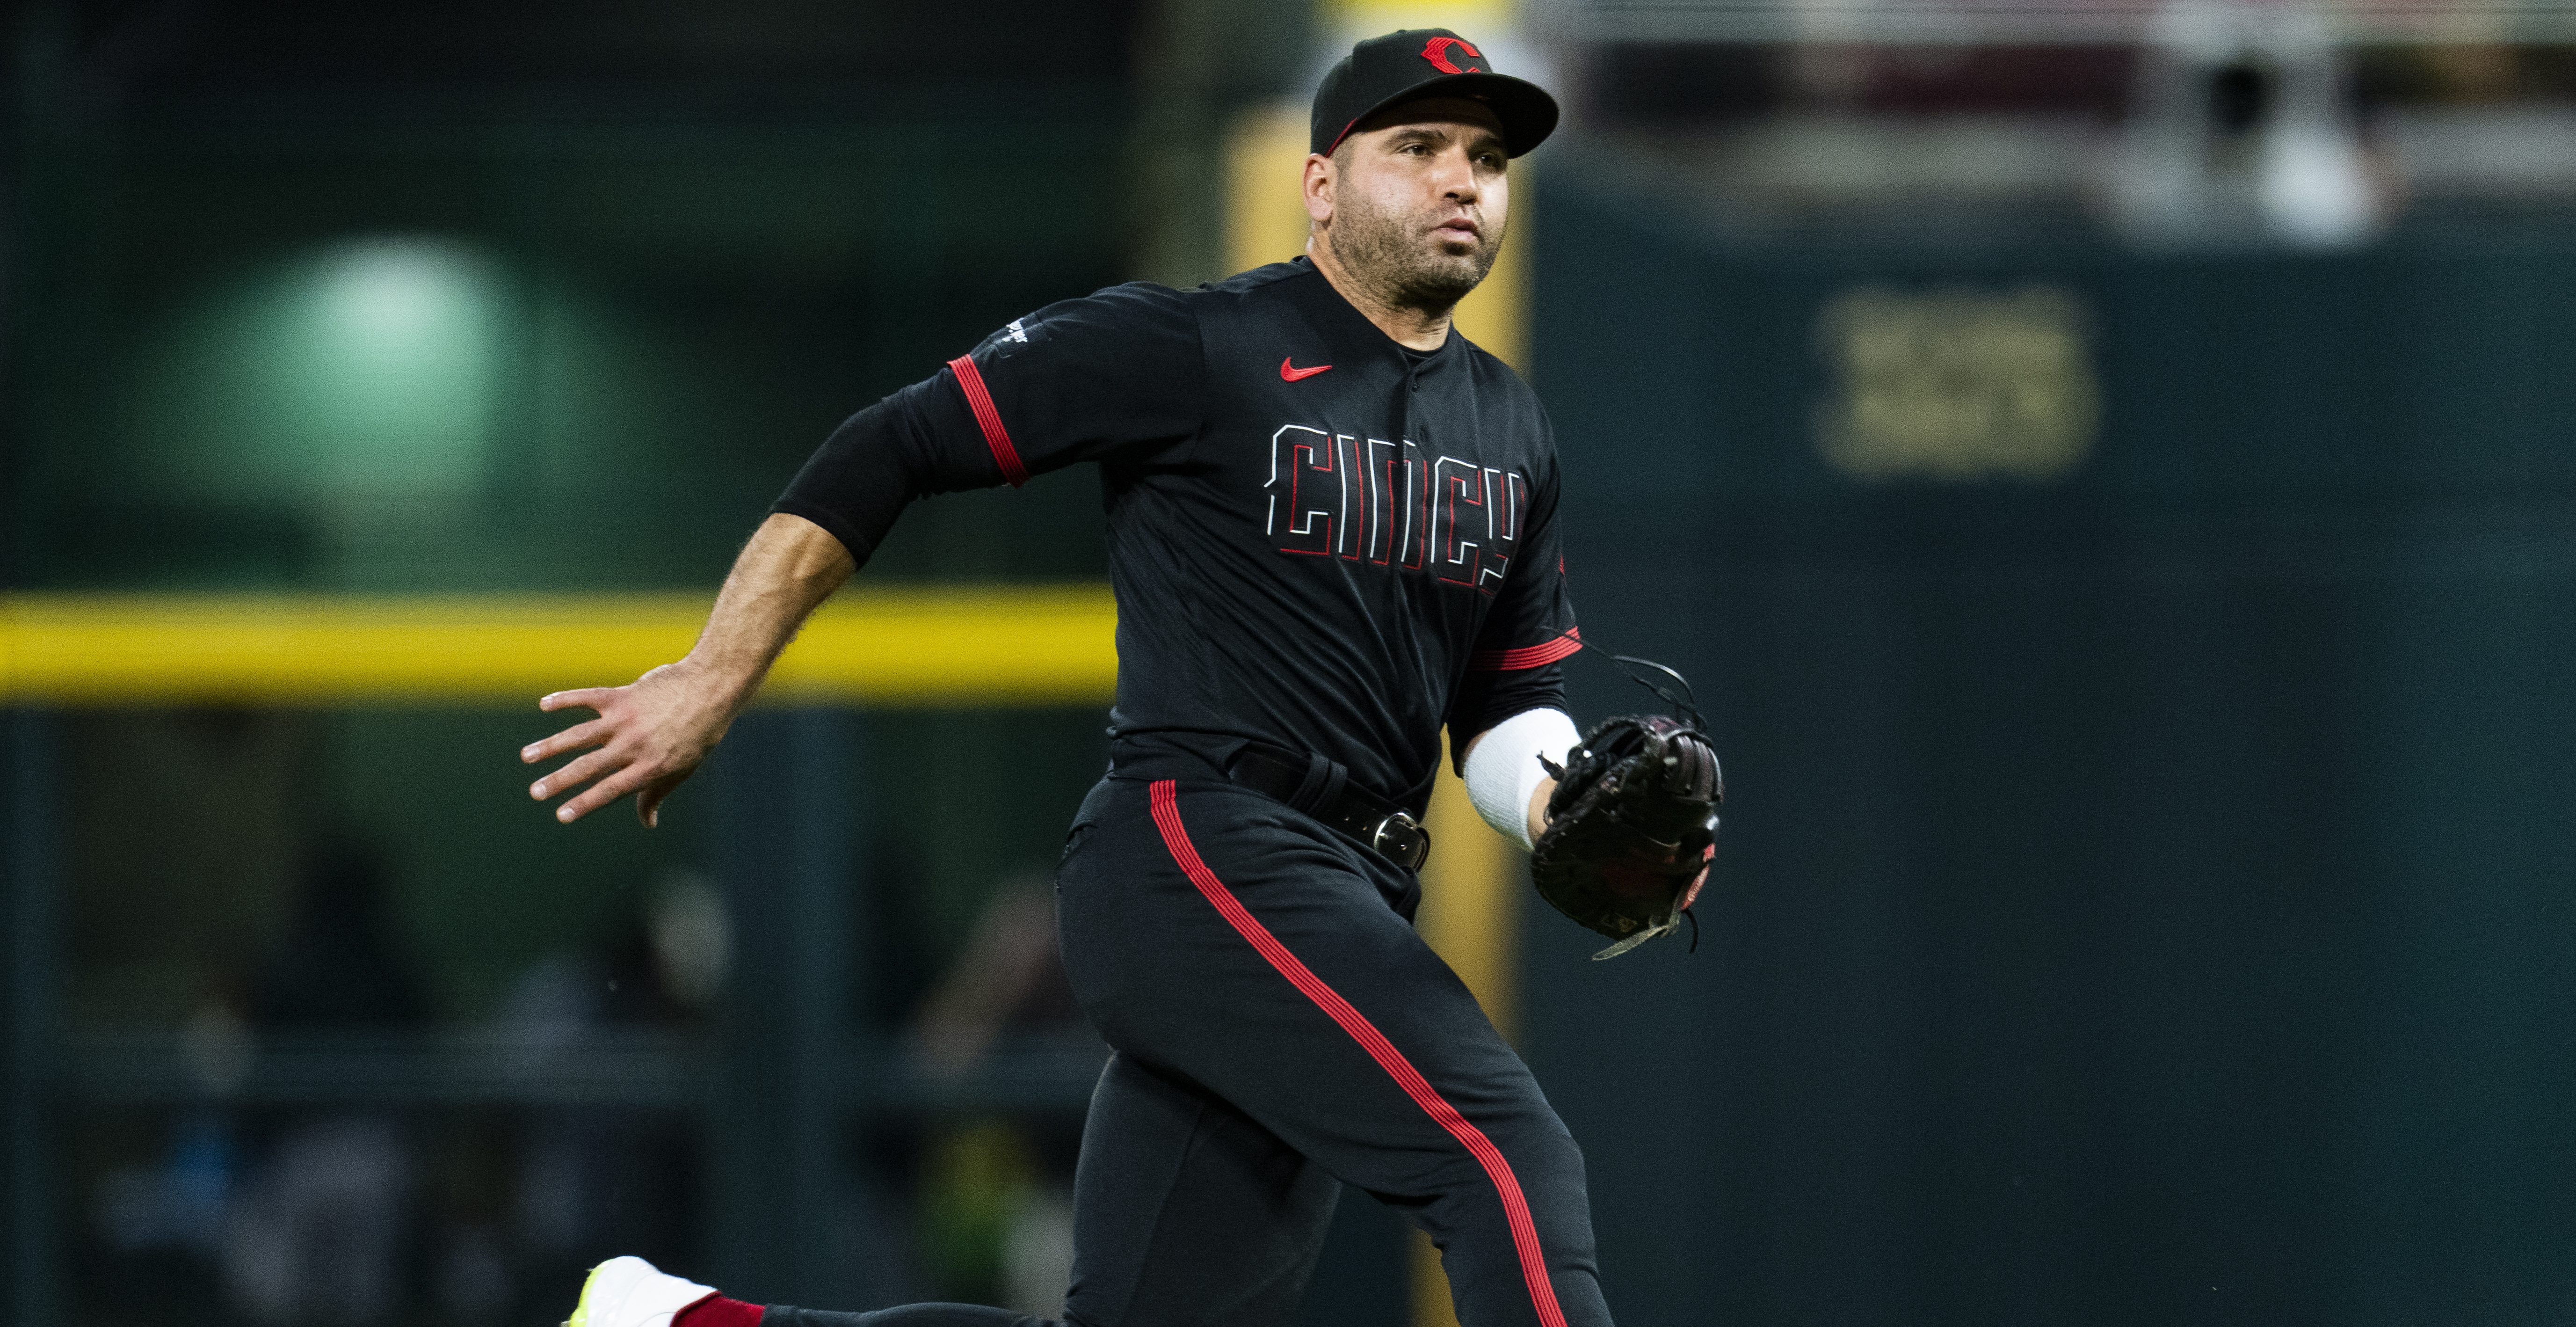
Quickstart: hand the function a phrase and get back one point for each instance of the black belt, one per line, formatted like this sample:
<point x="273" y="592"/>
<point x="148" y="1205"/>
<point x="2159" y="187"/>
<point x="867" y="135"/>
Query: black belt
<point x="1322" y="788"/>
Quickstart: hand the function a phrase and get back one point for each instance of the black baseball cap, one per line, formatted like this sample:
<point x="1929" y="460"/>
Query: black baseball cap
<point x="1426" y="62"/>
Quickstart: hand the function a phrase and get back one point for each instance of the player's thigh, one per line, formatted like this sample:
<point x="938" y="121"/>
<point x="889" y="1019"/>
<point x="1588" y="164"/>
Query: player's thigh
<point x="1213" y="931"/>
<point x="1187" y="1211"/>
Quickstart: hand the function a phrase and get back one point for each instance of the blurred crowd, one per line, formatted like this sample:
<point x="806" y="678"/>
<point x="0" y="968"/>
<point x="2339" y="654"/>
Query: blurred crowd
<point x="351" y="1215"/>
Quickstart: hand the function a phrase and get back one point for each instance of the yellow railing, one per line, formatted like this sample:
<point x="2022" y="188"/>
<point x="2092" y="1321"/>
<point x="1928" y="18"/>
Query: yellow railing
<point x="978" y="646"/>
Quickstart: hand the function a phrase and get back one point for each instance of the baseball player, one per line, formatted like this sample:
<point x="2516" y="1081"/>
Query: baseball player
<point x="1332" y="530"/>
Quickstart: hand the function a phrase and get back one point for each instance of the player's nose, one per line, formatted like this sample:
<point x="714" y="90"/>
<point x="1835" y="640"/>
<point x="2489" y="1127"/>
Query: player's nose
<point x="1457" y="177"/>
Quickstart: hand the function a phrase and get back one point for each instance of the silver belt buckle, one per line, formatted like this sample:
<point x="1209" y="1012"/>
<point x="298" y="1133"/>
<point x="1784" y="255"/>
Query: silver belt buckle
<point x="1402" y="840"/>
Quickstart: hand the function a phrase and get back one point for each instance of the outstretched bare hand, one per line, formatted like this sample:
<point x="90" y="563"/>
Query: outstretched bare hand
<point x="653" y="731"/>
<point x="650" y="735"/>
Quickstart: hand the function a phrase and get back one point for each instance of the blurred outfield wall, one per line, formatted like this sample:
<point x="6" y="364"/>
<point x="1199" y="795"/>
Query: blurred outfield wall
<point x="2145" y="687"/>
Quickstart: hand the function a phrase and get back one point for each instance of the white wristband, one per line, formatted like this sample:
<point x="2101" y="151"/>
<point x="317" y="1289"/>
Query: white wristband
<point x="1503" y="770"/>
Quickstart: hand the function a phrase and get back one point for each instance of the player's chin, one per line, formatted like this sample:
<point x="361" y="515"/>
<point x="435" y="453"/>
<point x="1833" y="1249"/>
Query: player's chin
<point x="1459" y="272"/>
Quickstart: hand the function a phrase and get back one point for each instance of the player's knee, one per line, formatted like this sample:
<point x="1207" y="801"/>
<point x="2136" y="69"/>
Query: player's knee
<point x="1561" y="1172"/>
<point x="1534" y="1162"/>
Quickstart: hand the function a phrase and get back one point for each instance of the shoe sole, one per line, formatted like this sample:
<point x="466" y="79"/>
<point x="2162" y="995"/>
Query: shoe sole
<point x="581" y="1307"/>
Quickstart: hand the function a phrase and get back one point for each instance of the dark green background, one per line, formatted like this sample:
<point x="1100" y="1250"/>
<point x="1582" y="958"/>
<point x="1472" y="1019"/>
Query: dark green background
<point x="2144" y="896"/>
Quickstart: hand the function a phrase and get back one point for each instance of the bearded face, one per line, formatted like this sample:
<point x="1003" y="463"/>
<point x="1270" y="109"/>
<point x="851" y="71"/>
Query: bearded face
<point x="1409" y="254"/>
<point x="1418" y="206"/>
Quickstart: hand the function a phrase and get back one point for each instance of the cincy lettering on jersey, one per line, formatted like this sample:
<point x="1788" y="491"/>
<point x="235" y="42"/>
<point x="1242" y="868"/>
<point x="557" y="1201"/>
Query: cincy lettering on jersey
<point x="1370" y="500"/>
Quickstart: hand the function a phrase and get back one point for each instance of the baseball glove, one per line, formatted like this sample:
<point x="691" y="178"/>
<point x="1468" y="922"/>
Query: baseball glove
<point x="1631" y="827"/>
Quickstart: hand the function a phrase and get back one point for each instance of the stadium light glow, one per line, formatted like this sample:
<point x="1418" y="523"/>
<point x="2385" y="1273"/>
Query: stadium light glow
<point x="367" y="371"/>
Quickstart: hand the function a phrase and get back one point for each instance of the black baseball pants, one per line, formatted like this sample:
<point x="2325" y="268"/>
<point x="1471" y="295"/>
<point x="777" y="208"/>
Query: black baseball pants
<point x="1280" y="1031"/>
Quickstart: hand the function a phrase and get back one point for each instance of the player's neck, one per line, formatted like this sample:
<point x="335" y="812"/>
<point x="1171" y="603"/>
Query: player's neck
<point x="1412" y="328"/>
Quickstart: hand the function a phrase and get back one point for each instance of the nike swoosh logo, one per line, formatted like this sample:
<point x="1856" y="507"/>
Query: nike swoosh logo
<point x="1291" y="373"/>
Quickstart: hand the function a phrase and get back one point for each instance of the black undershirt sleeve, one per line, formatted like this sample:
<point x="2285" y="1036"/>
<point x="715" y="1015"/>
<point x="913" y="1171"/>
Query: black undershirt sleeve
<point x="1113" y="375"/>
<point x="858" y="481"/>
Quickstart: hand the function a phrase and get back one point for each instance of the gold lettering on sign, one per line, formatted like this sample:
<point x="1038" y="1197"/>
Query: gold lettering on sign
<point x="1957" y="384"/>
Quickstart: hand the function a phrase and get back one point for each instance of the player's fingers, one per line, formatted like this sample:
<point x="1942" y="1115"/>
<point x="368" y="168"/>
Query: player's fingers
<point x="602" y="793"/>
<point x="577" y="773"/>
<point x="583" y="698"/>
<point x="648" y="803"/>
<point x="574" y="738"/>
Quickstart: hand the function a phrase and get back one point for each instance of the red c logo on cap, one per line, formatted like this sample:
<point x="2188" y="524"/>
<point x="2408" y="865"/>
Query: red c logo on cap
<point x="1436" y="51"/>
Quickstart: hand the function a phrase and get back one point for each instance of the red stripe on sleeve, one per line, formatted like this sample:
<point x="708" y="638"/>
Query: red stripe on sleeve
<point x="1528" y="656"/>
<point x="995" y="436"/>
<point x="1516" y="1212"/>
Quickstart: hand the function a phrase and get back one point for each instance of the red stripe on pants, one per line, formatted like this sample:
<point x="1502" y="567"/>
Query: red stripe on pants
<point x="1167" y="817"/>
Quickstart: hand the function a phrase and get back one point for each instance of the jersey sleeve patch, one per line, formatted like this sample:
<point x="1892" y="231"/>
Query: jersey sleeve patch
<point x="1528" y="656"/>
<point x="971" y="381"/>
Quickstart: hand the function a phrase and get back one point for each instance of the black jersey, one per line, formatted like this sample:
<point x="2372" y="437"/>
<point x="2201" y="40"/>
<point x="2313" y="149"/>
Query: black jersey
<point x="1318" y="538"/>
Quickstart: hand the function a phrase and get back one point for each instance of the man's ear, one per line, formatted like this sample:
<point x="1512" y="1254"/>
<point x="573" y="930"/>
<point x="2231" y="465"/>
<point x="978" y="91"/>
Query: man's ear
<point x="1318" y="188"/>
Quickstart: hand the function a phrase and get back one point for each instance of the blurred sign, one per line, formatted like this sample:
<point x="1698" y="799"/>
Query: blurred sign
<point x="1956" y="384"/>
